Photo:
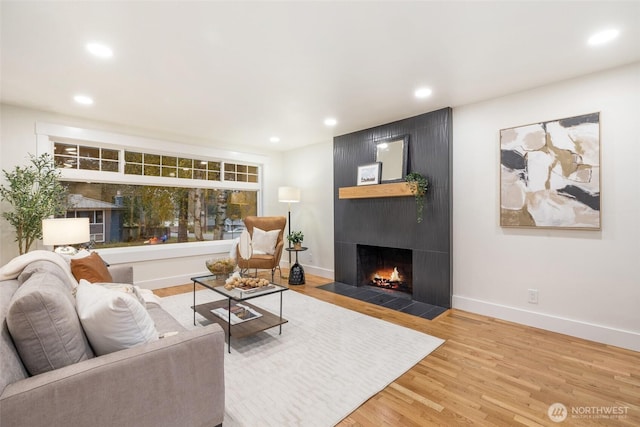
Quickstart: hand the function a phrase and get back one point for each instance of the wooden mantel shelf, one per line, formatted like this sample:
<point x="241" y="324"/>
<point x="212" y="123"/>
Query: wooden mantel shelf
<point x="394" y="189"/>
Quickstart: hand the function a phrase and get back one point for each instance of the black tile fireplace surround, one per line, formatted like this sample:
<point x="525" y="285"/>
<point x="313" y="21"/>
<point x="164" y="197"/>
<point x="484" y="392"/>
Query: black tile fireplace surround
<point x="391" y="221"/>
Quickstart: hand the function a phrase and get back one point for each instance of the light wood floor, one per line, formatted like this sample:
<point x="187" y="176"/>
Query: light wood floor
<point x="492" y="372"/>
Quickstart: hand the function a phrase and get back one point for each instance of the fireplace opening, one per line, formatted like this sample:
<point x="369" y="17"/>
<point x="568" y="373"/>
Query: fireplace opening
<point x="388" y="268"/>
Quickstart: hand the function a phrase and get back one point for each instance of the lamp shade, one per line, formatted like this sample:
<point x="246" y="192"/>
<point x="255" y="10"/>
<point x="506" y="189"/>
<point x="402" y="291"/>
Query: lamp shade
<point x="288" y="194"/>
<point x="65" y="231"/>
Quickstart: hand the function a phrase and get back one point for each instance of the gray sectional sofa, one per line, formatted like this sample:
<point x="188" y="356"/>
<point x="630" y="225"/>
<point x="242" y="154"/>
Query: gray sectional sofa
<point x="173" y="381"/>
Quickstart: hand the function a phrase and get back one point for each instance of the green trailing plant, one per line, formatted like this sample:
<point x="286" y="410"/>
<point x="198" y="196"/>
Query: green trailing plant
<point x="418" y="185"/>
<point x="295" y="237"/>
<point x="35" y="193"/>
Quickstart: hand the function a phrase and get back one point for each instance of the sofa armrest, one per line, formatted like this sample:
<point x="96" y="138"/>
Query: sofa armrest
<point x="177" y="380"/>
<point x="121" y="273"/>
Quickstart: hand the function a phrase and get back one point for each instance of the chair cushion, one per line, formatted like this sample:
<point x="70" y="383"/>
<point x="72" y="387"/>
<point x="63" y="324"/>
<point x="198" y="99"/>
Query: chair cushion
<point x="112" y="320"/>
<point x="43" y="323"/>
<point x="264" y="242"/>
<point x="91" y="268"/>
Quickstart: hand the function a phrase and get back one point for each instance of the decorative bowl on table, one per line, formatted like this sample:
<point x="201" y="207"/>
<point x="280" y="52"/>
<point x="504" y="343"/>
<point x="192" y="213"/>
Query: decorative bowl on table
<point x="220" y="267"/>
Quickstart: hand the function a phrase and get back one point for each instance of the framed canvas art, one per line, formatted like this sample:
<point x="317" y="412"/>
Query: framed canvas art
<point x="550" y="174"/>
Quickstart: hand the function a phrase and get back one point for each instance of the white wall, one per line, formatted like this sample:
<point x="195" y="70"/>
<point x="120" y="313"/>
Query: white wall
<point x="311" y="169"/>
<point x="588" y="282"/>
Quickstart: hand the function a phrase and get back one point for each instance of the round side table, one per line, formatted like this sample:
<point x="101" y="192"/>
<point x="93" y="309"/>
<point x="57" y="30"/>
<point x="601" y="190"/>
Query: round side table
<point x="296" y="273"/>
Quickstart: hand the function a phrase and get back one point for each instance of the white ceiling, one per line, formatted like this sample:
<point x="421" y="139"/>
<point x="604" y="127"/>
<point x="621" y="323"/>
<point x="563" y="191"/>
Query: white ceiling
<point x="237" y="73"/>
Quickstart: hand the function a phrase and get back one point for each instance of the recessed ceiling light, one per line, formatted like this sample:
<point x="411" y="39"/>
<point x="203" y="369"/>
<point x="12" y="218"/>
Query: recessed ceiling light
<point x="274" y="139"/>
<point x="603" y="37"/>
<point x="100" y="50"/>
<point x="83" y="99"/>
<point x="330" y="121"/>
<point x="423" y="92"/>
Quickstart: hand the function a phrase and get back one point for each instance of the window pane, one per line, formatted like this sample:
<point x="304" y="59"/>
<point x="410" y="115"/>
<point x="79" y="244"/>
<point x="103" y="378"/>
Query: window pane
<point x="133" y="169"/>
<point x="130" y="156"/>
<point x="151" y="159"/>
<point x="253" y="178"/>
<point x="137" y="214"/>
<point x="253" y="169"/>
<point x="110" y="154"/>
<point x="90" y="164"/>
<point x="151" y="170"/>
<point x="185" y="163"/>
<point x="169" y="161"/>
<point x="214" y="176"/>
<point x="184" y="173"/>
<point x="229" y="167"/>
<point x="89" y="152"/>
<point x="66" y="162"/>
<point x="242" y="168"/>
<point x="214" y="166"/>
<point x="168" y="172"/>
<point x="66" y="149"/>
<point x="228" y="176"/>
<point x="109" y="166"/>
<point x="199" y="174"/>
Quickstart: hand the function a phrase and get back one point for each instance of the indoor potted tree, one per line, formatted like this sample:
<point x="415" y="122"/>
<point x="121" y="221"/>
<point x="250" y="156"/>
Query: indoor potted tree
<point x="296" y="238"/>
<point x="35" y="193"/>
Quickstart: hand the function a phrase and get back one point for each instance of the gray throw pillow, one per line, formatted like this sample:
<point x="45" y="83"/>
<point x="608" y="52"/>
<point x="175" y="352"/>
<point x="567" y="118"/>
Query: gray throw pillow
<point x="44" y="325"/>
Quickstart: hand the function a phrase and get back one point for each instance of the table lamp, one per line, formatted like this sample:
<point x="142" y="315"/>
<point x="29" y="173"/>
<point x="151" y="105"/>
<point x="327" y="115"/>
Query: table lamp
<point x="62" y="232"/>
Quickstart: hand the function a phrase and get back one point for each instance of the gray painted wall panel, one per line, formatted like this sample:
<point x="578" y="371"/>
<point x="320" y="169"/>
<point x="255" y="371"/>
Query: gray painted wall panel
<point x="391" y="222"/>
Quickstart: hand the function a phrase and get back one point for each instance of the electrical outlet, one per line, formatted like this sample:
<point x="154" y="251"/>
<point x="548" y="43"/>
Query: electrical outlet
<point x="310" y="257"/>
<point x="532" y="296"/>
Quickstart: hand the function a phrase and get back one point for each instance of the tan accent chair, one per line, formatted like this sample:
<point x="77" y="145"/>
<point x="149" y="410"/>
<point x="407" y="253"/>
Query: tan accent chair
<point x="260" y="261"/>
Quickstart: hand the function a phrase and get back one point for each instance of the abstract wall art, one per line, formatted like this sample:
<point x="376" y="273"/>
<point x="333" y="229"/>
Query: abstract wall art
<point x="550" y="174"/>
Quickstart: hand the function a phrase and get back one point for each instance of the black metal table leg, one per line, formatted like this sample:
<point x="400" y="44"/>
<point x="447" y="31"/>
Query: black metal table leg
<point x="229" y="329"/>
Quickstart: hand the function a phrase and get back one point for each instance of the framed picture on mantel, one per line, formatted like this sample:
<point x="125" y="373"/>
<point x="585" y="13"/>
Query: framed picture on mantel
<point x="369" y="174"/>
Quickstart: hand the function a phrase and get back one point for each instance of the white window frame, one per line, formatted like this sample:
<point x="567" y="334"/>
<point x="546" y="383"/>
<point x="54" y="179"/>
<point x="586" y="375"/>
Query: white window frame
<point x="47" y="133"/>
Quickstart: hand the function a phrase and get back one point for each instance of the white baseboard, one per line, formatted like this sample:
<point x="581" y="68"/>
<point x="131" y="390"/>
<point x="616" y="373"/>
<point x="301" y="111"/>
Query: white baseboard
<point x="576" y="328"/>
<point x="312" y="269"/>
<point x="318" y="271"/>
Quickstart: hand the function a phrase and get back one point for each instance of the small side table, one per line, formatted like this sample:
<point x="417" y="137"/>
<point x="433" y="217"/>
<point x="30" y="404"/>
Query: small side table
<point x="296" y="273"/>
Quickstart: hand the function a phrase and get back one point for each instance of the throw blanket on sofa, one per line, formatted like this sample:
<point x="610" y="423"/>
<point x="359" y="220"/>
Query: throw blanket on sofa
<point x="14" y="267"/>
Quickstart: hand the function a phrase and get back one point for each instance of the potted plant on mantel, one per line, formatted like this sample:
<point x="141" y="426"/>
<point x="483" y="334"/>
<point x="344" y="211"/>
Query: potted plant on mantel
<point x="418" y="185"/>
<point x="296" y="238"/>
<point x="35" y="193"/>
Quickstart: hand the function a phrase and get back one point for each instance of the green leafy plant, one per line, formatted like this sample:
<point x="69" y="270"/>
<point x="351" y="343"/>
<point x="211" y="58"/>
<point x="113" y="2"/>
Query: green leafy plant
<point x="35" y="193"/>
<point x="418" y="185"/>
<point x="295" y="237"/>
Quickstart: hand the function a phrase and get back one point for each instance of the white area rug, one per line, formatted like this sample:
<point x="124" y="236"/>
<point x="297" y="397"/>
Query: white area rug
<point x="327" y="362"/>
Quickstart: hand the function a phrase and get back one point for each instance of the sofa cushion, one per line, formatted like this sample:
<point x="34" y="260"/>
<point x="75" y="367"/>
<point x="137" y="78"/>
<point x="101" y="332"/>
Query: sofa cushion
<point x="112" y="320"/>
<point x="264" y="242"/>
<point x="43" y="323"/>
<point x="91" y="268"/>
<point x="11" y="367"/>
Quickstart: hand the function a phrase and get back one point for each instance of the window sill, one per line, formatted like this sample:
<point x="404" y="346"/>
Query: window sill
<point x="158" y="252"/>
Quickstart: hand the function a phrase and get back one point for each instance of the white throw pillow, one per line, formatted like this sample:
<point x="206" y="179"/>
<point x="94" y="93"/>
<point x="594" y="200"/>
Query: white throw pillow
<point x="264" y="241"/>
<point x="112" y="320"/>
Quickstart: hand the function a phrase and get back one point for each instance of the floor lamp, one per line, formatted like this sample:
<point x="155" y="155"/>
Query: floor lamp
<point x="289" y="195"/>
